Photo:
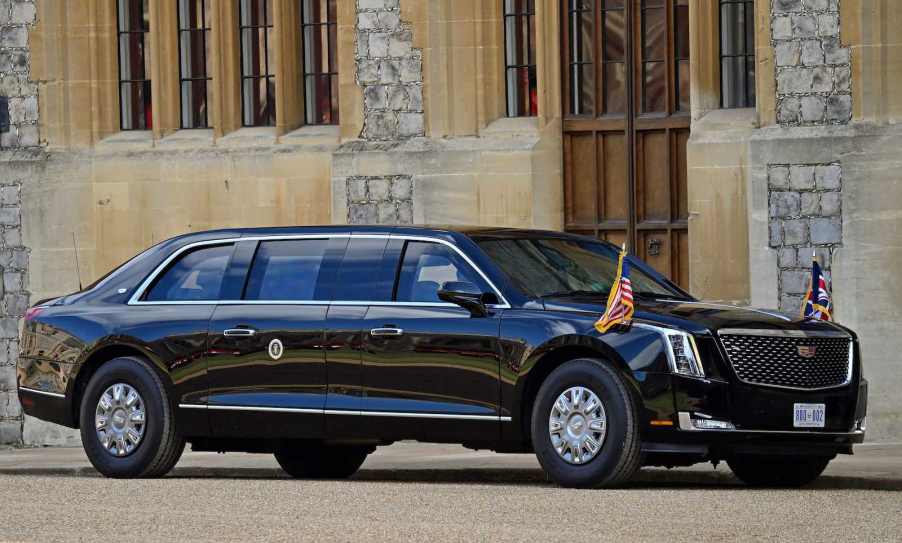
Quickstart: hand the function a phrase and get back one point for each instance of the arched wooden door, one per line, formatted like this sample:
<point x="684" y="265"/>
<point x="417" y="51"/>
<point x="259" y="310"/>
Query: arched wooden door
<point x="626" y="123"/>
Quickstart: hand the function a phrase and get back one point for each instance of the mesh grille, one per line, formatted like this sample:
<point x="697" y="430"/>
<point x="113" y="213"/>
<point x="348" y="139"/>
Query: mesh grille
<point x="776" y="361"/>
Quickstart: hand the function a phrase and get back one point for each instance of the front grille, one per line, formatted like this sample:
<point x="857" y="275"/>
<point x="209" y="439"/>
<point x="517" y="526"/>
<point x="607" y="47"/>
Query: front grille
<point x="775" y="360"/>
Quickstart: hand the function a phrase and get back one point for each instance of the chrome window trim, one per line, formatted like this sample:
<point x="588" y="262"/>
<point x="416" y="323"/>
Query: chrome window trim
<point x="139" y="292"/>
<point x="43" y="392"/>
<point x="300" y="410"/>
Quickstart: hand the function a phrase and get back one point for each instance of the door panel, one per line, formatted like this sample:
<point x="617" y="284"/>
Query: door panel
<point x="244" y="374"/>
<point x="626" y="123"/>
<point x="443" y="362"/>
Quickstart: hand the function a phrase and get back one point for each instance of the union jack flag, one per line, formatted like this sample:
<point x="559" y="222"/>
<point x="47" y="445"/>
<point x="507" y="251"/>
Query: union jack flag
<point x="620" y="300"/>
<point x="817" y="304"/>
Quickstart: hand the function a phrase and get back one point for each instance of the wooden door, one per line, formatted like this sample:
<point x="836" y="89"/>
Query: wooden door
<point x="626" y="124"/>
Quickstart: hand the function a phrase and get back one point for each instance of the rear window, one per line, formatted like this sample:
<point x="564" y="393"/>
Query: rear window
<point x="195" y="276"/>
<point x="286" y="270"/>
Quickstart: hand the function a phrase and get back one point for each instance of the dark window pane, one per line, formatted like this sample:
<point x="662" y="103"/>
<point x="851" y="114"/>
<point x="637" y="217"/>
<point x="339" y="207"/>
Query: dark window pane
<point x="654" y="34"/>
<point x="683" y="85"/>
<point x="654" y="88"/>
<point x="286" y="270"/>
<point x="257" y="51"/>
<point x="737" y="51"/>
<point x="733" y="83"/>
<point x="519" y="47"/>
<point x="615" y="87"/>
<point x="194" y="50"/>
<point x="196" y="276"/>
<point x="362" y="276"/>
<point x="616" y="4"/>
<point x="428" y="266"/>
<point x="319" y="29"/>
<point x="614" y="35"/>
<point x="195" y="100"/>
<point x="583" y="87"/>
<point x="681" y="22"/>
<point x="133" y="23"/>
<point x="193" y="54"/>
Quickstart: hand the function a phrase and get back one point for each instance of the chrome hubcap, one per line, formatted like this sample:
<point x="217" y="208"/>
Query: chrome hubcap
<point x="577" y="425"/>
<point x="119" y="419"/>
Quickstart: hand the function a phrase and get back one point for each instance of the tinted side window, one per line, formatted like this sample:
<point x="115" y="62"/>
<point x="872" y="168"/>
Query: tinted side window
<point x="427" y="266"/>
<point x="286" y="270"/>
<point x="363" y="276"/>
<point x="196" y="276"/>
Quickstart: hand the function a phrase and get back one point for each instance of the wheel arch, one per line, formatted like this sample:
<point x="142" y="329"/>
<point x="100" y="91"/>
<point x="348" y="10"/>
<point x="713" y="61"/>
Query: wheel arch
<point x="100" y="356"/>
<point x="551" y="356"/>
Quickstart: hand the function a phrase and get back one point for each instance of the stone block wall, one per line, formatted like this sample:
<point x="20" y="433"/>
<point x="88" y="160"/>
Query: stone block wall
<point x="17" y="17"/>
<point x="380" y="200"/>
<point x="390" y="71"/>
<point x="813" y="69"/>
<point x="805" y="217"/>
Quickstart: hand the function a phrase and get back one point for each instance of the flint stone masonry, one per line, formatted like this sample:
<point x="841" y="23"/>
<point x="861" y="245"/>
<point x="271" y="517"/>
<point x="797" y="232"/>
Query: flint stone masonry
<point x="16" y="20"/>
<point x="805" y="216"/>
<point x="812" y="67"/>
<point x="380" y="200"/>
<point x="390" y="71"/>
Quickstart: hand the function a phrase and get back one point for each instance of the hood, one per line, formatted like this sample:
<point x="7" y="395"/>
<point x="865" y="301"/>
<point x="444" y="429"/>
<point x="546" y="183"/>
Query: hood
<point x="700" y="317"/>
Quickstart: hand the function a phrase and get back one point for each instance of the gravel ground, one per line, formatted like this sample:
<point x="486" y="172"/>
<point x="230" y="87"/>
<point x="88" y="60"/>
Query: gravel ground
<point x="243" y="498"/>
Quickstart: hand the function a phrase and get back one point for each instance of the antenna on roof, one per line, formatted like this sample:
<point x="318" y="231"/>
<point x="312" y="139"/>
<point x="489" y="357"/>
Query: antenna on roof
<point x="77" y="269"/>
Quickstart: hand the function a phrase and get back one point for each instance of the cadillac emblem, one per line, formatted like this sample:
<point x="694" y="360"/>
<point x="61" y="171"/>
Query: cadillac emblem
<point x="275" y="349"/>
<point x="807" y="351"/>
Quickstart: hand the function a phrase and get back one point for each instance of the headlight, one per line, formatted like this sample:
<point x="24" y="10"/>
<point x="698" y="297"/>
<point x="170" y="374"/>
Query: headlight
<point x="683" y="354"/>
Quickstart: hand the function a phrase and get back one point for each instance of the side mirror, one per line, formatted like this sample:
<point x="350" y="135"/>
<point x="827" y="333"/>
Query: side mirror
<point x="466" y="295"/>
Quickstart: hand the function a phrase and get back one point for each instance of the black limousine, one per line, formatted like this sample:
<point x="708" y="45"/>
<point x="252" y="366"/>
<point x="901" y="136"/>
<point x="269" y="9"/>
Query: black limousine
<point x="319" y="344"/>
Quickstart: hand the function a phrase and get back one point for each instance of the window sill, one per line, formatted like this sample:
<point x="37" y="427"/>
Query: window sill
<point x="188" y="137"/>
<point x="249" y="136"/>
<point x="127" y="140"/>
<point x="512" y="127"/>
<point x="314" y="135"/>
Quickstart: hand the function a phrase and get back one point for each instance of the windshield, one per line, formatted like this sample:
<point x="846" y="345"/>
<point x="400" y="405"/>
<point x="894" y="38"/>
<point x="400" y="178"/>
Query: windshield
<point x="560" y="267"/>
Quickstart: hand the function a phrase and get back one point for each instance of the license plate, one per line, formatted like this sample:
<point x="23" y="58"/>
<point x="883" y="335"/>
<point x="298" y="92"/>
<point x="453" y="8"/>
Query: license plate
<point x="808" y="415"/>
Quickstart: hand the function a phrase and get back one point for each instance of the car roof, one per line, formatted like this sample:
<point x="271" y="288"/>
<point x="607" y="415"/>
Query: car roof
<point x="472" y="231"/>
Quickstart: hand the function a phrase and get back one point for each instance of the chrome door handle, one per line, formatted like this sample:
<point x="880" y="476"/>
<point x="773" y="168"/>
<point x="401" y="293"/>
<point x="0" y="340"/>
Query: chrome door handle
<point x="386" y="332"/>
<point x="239" y="332"/>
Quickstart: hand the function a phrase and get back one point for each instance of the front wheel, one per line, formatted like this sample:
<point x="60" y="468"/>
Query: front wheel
<point x="322" y="461"/>
<point x="585" y="429"/>
<point x="777" y="471"/>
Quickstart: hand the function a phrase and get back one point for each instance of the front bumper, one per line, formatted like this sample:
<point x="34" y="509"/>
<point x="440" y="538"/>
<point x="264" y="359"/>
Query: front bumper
<point x="752" y="419"/>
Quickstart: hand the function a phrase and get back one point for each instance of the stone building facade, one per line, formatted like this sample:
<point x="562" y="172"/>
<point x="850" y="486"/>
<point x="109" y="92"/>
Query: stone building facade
<point x="441" y="111"/>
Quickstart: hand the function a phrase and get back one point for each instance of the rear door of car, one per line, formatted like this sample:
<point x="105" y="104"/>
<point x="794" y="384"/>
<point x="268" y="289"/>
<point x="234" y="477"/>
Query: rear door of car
<point x="266" y="361"/>
<point x="430" y="369"/>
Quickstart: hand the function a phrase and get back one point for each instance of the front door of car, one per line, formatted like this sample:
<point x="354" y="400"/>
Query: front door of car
<point x="266" y="362"/>
<point x="430" y="368"/>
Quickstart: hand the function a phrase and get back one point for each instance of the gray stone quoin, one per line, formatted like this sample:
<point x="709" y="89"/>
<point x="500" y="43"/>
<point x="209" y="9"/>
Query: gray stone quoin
<point x="804" y="217"/>
<point x="812" y="68"/>
<point x="390" y="71"/>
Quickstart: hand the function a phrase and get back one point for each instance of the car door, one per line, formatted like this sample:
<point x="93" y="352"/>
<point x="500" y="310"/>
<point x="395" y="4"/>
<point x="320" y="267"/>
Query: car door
<point x="431" y="369"/>
<point x="266" y="362"/>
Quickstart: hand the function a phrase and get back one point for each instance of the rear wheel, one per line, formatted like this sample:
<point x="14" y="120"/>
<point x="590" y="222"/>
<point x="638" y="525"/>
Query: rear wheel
<point x="777" y="471"/>
<point x="322" y="461"/>
<point x="584" y="426"/>
<point x="127" y="423"/>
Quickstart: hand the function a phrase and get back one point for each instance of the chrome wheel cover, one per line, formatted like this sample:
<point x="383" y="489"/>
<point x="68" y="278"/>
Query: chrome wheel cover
<point x="577" y="425"/>
<point x="119" y="419"/>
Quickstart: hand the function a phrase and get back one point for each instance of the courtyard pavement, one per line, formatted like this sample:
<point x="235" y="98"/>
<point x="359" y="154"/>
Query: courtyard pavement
<point x="418" y="492"/>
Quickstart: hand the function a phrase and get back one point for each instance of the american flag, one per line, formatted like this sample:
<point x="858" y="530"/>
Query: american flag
<point x="817" y="304"/>
<point x="620" y="300"/>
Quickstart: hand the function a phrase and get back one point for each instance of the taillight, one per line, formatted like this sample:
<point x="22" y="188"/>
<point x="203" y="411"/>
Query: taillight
<point x="33" y="312"/>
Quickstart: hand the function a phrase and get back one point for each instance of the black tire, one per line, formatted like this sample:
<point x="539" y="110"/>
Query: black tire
<point x="777" y="471"/>
<point x="160" y="447"/>
<point x="619" y="456"/>
<point x="316" y="461"/>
